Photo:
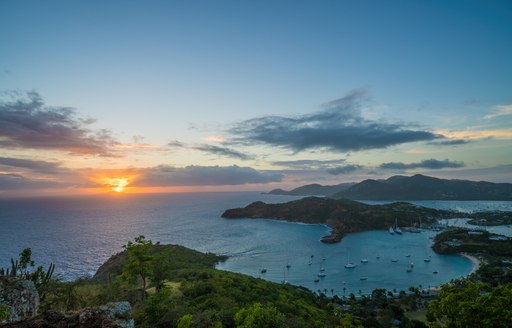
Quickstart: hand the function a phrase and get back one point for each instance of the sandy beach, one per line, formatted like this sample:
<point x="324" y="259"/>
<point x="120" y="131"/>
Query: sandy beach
<point x="474" y="260"/>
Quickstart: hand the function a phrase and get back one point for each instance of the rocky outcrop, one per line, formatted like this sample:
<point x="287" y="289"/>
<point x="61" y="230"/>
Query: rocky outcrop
<point x="18" y="299"/>
<point x="111" y="315"/>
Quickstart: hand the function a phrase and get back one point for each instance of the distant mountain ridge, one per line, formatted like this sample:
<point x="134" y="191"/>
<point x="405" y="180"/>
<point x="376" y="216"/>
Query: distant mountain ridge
<point x="421" y="187"/>
<point x="416" y="187"/>
<point x="314" y="189"/>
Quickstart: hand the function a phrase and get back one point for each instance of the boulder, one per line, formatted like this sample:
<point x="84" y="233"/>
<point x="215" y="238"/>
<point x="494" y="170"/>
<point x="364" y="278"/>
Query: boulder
<point x="111" y="315"/>
<point x="19" y="299"/>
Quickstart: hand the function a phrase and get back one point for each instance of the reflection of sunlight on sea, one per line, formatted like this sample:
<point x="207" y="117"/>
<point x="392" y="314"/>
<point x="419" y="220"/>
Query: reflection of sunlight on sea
<point x="81" y="233"/>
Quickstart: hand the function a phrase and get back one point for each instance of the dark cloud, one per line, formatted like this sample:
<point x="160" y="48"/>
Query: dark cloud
<point x="204" y="175"/>
<point x="309" y="164"/>
<point x="339" y="126"/>
<point x="10" y="182"/>
<point x="37" y="166"/>
<point x="176" y="144"/>
<point x="433" y="164"/>
<point x="344" y="169"/>
<point x="213" y="149"/>
<point x="28" y="123"/>
<point x="223" y="151"/>
<point x="451" y="142"/>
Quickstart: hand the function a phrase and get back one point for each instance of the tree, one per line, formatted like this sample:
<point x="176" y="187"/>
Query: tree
<point x="473" y="305"/>
<point x="259" y="316"/>
<point x="159" y="269"/>
<point x="139" y="262"/>
<point x="22" y="268"/>
<point x="185" y="321"/>
<point x="348" y="321"/>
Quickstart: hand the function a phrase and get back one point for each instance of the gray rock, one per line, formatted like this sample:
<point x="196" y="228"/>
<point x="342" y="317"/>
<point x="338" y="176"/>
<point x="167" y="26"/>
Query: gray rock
<point x="120" y="313"/>
<point x="19" y="297"/>
<point x="111" y="315"/>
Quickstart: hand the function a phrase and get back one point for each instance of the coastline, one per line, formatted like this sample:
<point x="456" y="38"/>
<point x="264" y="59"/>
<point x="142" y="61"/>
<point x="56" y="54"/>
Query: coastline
<point x="476" y="265"/>
<point x="474" y="260"/>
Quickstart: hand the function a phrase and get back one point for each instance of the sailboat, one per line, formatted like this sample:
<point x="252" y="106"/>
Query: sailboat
<point x="397" y="228"/>
<point x="349" y="264"/>
<point x="413" y="229"/>
<point x="391" y="231"/>
<point x="409" y="267"/>
<point x="284" y="281"/>
<point x="321" y="273"/>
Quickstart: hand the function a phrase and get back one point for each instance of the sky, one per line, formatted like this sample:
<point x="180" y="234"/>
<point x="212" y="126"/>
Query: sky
<point x="153" y="96"/>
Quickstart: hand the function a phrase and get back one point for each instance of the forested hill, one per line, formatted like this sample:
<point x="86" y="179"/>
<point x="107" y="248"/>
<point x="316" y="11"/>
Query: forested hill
<point x="313" y="190"/>
<point x="343" y="216"/>
<point x="421" y="187"/>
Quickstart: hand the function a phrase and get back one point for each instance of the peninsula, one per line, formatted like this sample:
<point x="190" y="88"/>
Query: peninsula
<point x="343" y="216"/>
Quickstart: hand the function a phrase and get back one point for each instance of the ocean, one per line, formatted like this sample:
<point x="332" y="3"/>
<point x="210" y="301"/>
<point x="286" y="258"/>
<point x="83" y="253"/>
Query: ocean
<point x="78" y="234"/>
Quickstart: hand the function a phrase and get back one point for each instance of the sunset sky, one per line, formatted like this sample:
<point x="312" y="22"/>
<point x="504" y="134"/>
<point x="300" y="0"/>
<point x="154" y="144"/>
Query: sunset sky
<point x="251" y="95"/>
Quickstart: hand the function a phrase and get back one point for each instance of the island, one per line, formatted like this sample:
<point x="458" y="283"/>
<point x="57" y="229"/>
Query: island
<point x="343" y="215"/>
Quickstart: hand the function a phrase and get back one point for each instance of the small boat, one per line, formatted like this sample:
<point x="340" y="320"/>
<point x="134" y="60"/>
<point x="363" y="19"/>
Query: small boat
<point x="397" y="229"/>
<point x="435" y="272"/>
<point x="365" y="260"/>
<point x="321" y="274"/>
<point x="316" y="280"/>
<point x="310" y="262"/>
<point x="349" y="264"/>
<point x="408" y="255"/>
<point x="288" y="265"/>
<point x="409" y="267"/>
<point x="322" y="268"/>
<point x="394" y="260"/>
<point x="263" y="271"/>
<point x="284" y="281"/>
<point x="427" y="259"/>
<point x="363" y="278"/>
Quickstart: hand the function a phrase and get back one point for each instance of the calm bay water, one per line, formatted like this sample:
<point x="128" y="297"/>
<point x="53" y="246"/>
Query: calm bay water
<point x="78" y="234"/>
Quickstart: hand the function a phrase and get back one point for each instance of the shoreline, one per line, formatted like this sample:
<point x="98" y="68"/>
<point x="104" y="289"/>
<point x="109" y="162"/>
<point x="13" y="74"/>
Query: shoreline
<point x="474" y="260"/>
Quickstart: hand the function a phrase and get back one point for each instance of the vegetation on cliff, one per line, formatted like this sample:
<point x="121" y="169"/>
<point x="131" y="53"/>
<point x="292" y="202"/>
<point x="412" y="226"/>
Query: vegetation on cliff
<point x="172" y="286"/>
<point x="183" y="289"/>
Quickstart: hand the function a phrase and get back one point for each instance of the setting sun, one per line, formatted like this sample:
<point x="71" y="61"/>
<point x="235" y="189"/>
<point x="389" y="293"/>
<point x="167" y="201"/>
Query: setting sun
<point x="116" y="184"/>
